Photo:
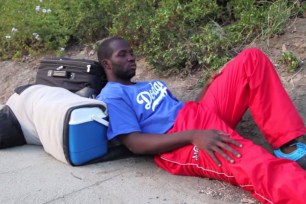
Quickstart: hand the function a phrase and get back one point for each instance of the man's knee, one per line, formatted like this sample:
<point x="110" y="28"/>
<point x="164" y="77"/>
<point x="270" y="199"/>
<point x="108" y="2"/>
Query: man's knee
<point x="253" y="52"/>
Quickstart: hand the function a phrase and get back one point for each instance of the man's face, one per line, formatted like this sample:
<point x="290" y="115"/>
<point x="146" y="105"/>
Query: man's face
<point x="122" y="60"/>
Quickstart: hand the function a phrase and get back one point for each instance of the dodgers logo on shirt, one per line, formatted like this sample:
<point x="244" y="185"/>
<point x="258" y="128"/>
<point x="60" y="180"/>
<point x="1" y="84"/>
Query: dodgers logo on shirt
<point x="152" y="97"/>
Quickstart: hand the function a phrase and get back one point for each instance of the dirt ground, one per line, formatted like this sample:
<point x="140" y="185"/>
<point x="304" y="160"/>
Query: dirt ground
<point x="21" y="72"/>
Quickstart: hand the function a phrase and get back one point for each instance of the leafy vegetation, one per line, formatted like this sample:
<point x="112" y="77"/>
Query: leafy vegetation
<point x="34" y="26"/>
<point x="175" y="35"/>
<point x="289" y="59"/>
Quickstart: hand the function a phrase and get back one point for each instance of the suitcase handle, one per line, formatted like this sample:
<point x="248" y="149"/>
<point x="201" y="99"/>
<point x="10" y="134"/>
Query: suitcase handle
<point x="99" y="120"/>
<point x="62" y="74"/>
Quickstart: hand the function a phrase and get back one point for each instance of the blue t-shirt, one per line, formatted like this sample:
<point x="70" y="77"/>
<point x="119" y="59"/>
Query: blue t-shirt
<point x="146" y="107"/>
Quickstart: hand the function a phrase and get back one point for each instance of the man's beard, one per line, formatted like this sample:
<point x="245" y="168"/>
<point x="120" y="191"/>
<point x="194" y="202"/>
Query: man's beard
<point x="123" y="74"/>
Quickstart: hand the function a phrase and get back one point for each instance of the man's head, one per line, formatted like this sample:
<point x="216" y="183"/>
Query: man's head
<point x="117" y="59"/>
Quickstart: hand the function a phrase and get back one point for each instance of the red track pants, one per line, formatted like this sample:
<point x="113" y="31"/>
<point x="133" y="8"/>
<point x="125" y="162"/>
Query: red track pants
<point x="248" y="81"/>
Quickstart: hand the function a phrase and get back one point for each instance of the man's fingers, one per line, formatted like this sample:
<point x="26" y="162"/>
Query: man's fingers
<point x="234" y="142"/>
<point x="223" y="133"/>
<point x="222" y="144"/>
<point x="213" y="156"/>
<point x="223" y="154"/>
<point x="218" y="143"/>
<point x="229" y="140"/>
<point x="230" y="149"/>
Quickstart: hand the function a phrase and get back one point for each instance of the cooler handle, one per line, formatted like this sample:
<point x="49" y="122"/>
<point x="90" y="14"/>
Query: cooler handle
<point x="99" y="120"/>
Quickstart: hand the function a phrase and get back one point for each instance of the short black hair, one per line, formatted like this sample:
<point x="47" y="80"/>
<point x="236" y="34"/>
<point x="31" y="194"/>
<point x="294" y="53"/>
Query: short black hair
<point x="104" y="50"/>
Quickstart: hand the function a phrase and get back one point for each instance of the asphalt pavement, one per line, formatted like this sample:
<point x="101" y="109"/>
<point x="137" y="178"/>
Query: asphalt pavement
<point x="29" y="175"/>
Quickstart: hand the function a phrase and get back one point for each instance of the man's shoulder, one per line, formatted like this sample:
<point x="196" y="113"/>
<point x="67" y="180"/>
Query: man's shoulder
<point x="116" y="90"/>
<point x="111" y="90"/>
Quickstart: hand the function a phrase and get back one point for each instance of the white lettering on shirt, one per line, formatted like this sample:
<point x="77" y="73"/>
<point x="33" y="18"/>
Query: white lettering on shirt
<point x="152" y="97"/>
<point x="195" y="153"/>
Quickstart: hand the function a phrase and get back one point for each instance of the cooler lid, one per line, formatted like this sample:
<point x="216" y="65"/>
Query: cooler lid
<point x="83" y="115"/>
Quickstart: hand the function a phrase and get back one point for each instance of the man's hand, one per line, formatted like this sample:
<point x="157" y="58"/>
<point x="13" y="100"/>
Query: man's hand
<point x="211" y="141"/>
<point x="216" y="142"/>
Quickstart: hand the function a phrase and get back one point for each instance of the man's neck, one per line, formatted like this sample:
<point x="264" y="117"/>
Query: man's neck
<point x="123" y="82"/>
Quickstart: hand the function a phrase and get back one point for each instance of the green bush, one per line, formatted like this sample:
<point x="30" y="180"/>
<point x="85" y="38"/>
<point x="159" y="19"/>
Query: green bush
<point x="177" y="36"/>
<point x="168" y="33"/>
<point x="181" y="36"/>
<point x="30" y="27"/>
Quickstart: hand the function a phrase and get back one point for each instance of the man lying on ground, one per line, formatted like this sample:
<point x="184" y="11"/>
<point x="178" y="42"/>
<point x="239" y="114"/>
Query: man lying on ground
<point x="197" y="138"/>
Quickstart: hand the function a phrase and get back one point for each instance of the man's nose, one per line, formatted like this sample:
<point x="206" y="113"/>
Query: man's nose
<point x="131" y="58"/>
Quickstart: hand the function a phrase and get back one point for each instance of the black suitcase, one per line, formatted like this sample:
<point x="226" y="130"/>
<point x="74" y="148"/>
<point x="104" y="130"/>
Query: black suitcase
<point x="80" y="76"/>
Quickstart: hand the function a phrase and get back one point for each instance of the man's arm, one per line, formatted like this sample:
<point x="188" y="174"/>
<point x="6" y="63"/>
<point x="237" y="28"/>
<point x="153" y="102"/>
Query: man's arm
<point x="212" y="141"/>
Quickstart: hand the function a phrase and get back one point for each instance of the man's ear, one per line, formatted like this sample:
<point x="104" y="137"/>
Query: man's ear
<point x="106" y="64"/>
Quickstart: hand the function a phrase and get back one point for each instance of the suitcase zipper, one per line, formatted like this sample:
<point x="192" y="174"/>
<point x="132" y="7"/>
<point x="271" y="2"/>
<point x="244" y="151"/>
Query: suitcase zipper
<point x="73" y="67"/>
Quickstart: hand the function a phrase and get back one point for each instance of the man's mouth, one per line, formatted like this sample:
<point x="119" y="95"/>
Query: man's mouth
<point x="133" y="66"/>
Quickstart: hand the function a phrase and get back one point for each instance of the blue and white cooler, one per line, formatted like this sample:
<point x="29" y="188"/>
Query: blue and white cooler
<point x="80" y="136"/>
<point x="69" y="127"/>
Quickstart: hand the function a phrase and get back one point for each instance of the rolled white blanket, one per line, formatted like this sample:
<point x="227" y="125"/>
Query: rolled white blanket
<point x="43" y="113"/>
